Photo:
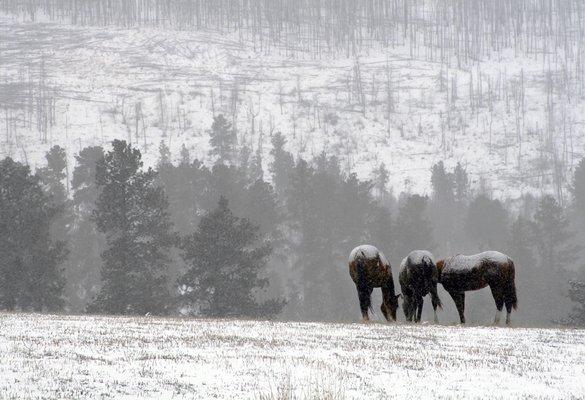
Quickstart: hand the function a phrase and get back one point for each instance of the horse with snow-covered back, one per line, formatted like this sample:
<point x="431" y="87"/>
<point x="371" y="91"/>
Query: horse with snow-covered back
<point x="418" y="277"/>
<point x="461" y="273"/>
<point x="369" y="269"/>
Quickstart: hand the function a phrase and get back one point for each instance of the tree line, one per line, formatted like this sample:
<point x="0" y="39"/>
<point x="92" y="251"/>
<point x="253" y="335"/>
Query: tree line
<point x="245" y="236"/>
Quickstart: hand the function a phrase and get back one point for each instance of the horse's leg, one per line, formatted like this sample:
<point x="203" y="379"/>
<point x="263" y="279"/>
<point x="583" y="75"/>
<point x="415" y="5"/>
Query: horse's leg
<point x="419" y="302"/>
<point x="508" y="312"/>
<point x="510" y="297"/>
<point x="436" y="302"/>
<point x="459" y="299"/>
<point x="384" y="310"/>
<point x="365" y="294"/>
<point x="498" y="294"/>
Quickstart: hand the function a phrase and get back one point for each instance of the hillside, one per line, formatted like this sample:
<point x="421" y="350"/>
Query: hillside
<point x="107" y="357"/>
<point x="511" y="114"/>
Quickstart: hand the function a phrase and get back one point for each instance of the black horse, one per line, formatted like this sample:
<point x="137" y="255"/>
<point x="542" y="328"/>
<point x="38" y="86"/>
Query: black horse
<point x="460" y="273"/>
<point x="418" y="277"/>
<point x="369" y="269"/>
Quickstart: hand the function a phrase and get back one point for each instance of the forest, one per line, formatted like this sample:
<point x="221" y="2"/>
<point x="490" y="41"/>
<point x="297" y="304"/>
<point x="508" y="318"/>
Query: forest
<point x="229" y="239"/>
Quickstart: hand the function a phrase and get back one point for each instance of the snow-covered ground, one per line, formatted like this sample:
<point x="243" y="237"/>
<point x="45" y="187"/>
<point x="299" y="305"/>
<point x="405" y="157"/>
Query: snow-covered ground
<point x="47" y="356"/>
<point x="78" y="86"/>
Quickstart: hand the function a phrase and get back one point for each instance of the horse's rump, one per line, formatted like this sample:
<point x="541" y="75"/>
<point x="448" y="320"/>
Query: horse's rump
<point x="418" y="271"/>
<point x="373" y="264"/>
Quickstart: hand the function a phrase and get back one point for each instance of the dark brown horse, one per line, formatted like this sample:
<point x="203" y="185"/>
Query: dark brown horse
<point x="369" y="269"/>
<point x="461" y="273"/>
<point x="418" y="277"/>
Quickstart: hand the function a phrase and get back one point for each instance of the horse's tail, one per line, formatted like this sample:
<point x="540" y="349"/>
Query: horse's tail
<point x="431" y="269"/>
<point x="362" y="284"/>
<point x="510" y="297"/>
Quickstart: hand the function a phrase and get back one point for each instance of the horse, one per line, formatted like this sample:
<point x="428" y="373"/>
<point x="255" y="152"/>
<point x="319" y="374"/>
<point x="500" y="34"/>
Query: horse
<point x="462" y="273"/>
<point x="418" y="277"/>
<point x="369" y="269"/>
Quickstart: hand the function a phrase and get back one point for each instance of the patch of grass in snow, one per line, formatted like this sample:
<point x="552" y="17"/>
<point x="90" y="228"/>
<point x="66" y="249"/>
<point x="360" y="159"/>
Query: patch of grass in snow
<point x="322" y="388"/>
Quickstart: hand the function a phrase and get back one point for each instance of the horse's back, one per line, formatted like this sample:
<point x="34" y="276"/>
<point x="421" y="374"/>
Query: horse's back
<point x="472" y="272"/>
<point x="364" y="251"/>
<point x="417" y="257"/>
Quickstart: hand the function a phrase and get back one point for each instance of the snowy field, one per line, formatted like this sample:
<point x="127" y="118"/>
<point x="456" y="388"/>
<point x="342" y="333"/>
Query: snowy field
<point x="106" y="357"/>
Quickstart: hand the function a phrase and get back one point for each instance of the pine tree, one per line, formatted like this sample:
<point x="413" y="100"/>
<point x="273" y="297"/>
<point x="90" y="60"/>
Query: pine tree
<point x="30" y="273"/>
<point x="132" y="211"/>
<point x="380" y="229"/>
<point x="578" y="192"/>
<point x="227" y="257"/>
<point x="185" y="156"/>
<point x="577" y="295"/>
<point x="86" y="243"/>
<point x="282" y="164"/>
<point x="256" y="171"/>
<point x="442" y="183"/>
<point x="381" y="178"/>
<point x="487" y="223"/>
<point x="53" y="176"/>
<point x="443" y="210"/>
<point x="553" y="237"/>
<point x="164" y="157"/>
<point x="556" y="253"/>
<point x="412" y="227"/>
<point x="461" y="182"/>
<point x="222" y="140"/>
<point x="520" y="244"/>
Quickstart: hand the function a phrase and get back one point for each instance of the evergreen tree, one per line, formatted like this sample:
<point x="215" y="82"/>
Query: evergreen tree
<point x="461" y="182"/>
<point x="185" y="156"/>
<point x="442" y="183"/>
<point x="553" y="237"/>
<point x="226" y="258"/>
<point x="578" y="192"/>
<point x="30" y="273"/>
<point x="256" y="171"/>
<point x="487" y="223"/>
<point x="577" y="295"/>
<point x="380" y="230"/>
<point x="282" y="164"/>
<point x="164" y="156"/>
<point x="381" y="178"/>
<point x="132" y="211"/>
<point x="412" y="227"/>
<point x="556" y="253"/>
<point x="520" y="244"/>
<point x="53" y="176"/>
<point x="86" y="242"/>
<point x="222" y="140"/>
<point x="444" y="212"/>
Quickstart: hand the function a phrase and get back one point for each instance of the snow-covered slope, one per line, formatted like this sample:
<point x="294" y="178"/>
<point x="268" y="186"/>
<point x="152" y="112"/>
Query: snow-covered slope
<point x="129" y="358"/>
<point x="78" y="86"/>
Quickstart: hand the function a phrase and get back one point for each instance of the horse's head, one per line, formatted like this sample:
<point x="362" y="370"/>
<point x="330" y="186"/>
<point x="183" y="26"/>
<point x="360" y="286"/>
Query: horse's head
<point x="408" y="307"/>
<point x="394" y="306"/>
<point x="389" y="306"/>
